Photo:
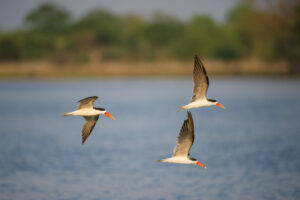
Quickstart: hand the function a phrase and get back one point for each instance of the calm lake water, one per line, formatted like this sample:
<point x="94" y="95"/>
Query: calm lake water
<point x="251" y="149"/>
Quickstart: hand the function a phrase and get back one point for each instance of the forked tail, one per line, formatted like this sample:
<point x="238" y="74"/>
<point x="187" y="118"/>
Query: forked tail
<point x="181" y="108"/>
<point x="161" y="160"/>
<point x="67" y="114"/>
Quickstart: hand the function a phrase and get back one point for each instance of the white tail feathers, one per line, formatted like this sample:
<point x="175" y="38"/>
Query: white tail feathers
<point x="181" y="108"/>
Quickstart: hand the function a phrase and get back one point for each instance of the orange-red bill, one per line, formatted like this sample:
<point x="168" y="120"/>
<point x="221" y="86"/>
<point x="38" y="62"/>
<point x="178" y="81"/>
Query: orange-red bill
<point x="108" y="115"/>
<point x="200" y="164"/>
<point x="220" y="105"/>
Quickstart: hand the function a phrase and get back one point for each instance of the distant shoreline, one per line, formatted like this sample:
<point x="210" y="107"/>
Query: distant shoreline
<point x="46" y="69"/>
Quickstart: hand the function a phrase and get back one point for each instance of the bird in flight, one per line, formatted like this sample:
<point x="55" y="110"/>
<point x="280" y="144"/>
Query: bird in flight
<point x="91" y="114"/>
<point x="201" y="84"/>
<point x="184" y="143"/>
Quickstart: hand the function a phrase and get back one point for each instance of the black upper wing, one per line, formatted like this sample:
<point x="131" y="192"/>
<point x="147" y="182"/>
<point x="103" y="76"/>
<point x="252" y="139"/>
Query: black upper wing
<point x="201" y="81"/>
<point x="87" y="102"/>
<point x="186" y="137"/>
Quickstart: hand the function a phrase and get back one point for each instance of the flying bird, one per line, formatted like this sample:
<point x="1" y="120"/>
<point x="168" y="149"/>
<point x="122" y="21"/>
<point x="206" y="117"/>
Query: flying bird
<point x="184" y="143"/>
<point x="91" y="114"/>
<point x="201" y="84"/>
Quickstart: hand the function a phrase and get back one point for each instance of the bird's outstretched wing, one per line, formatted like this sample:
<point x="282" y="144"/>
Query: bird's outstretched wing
<point x="87" y="102"/>
<point x="88" y="126"/>
<point x="201" y="81"/>
<point x="186" y="137"/>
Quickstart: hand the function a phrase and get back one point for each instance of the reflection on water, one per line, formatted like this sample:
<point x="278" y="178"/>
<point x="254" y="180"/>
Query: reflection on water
<point x="251" y="149"/>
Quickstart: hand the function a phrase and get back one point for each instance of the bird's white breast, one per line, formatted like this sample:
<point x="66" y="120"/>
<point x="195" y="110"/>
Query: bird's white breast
<point x="177" y="159"/>
<point x="199" y="103"/>
<point x="87" y="112"/>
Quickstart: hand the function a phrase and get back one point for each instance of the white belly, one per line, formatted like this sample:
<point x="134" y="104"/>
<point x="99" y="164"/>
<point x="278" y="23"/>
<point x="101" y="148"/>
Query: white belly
<point x="86" y="112"/>
<point x="180" y="160"/>
<point x="197" y="104"/>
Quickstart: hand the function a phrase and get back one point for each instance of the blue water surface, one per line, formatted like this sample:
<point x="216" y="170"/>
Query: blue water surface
<point x="251" y="149"/>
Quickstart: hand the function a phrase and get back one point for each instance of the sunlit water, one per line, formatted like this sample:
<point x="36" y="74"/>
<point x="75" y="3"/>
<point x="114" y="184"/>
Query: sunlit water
<point x="251" y="149"/>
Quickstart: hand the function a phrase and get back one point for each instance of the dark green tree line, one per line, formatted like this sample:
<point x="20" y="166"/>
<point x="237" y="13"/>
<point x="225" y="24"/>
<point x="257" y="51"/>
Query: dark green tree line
<point x="270" y="32"/>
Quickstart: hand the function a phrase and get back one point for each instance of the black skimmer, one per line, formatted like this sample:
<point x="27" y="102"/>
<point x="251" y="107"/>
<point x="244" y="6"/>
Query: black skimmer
<point x="201" y="84"/>
<point x="91" y="114"/>
<point x="184" y="143"/>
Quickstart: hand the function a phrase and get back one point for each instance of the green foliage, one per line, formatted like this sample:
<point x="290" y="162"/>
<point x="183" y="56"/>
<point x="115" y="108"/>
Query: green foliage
<point x="10" y="47"/>
<point x="292" y="47"/>
<point x="48" y="18"/>
<point x="104" y="25"/>
<point x="199" y="38"/>
<point x="227" y="47"/>
<point x="133" y="40"/>
<point x="204" y="37"/>
<point x="38" y="45"/>
<point x="268" y="33"/>
<point x="163" y="30"/>
<point x="248" y="31"/>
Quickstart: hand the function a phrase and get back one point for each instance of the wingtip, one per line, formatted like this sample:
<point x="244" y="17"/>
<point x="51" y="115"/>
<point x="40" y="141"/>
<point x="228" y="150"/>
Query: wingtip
<point x="95" y="97"/>
<point x="189" y="114"/>
<point x="82" y="141"/>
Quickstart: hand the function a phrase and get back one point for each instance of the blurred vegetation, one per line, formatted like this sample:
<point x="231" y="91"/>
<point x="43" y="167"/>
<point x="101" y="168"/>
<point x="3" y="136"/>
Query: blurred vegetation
<point x="268" y="31"/>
